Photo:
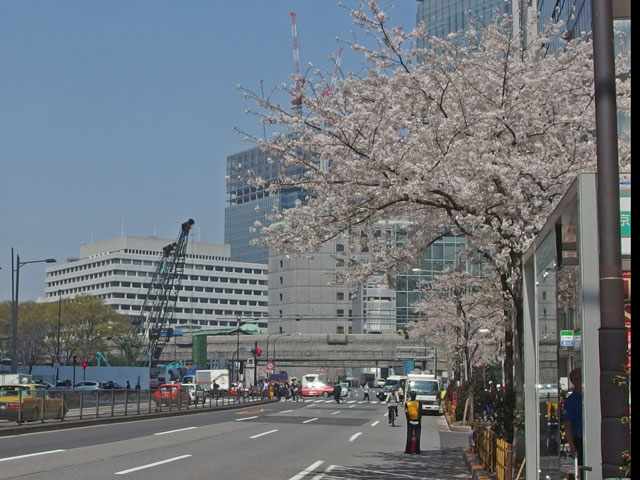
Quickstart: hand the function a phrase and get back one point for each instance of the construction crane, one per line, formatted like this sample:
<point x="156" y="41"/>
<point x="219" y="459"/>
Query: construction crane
<point x="329" y="88"/>
<point x="297" y="96"/>
<point x="152" y="328"/>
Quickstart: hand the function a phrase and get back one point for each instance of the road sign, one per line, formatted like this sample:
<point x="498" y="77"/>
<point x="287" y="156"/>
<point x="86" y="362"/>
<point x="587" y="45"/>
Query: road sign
<point x="322" y="370"/>
<point x="269" y="365"/>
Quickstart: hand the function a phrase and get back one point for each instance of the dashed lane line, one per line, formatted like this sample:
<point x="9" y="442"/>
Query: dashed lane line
<point x="142" y="467"/>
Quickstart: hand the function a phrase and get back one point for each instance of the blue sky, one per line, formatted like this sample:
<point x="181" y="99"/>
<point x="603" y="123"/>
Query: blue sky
<point x="118" y="115"/>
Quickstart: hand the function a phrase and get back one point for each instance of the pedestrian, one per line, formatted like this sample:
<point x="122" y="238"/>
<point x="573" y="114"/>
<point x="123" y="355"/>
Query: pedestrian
<point x="138" y="385"/>
<point x="401" y="394"/>
<point x="365" y="389"/>
<point x="128" y="385"/>
<point x="337" y="389"/>
<point x="413" y="412"/>
<point x="572" y="416"/>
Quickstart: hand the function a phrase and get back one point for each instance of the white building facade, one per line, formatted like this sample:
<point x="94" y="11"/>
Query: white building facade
<point x="214" y="291"/>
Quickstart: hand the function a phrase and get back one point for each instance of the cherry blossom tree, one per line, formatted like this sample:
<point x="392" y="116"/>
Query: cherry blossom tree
<point x="463" y="316"/>
<point x="480" y="133"/>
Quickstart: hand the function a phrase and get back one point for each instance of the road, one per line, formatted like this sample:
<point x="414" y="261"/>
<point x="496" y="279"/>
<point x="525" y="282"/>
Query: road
<point x="316" y="439"/>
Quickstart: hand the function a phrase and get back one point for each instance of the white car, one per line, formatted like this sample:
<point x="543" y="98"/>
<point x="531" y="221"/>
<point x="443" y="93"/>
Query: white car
<point x="87" y="385"/>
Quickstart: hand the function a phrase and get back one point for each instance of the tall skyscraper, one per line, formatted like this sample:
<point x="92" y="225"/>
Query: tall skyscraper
<point x="247" y="204"/>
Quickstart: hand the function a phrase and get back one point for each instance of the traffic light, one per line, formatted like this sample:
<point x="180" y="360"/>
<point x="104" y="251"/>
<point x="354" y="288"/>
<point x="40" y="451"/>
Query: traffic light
<point x="256" y="351"/>
<point x="84" y="365"/>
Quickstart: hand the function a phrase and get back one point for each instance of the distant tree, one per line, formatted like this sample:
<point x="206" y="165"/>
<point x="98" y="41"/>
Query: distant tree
<point x="478" y="134"/>
<point x="87" y="326"/>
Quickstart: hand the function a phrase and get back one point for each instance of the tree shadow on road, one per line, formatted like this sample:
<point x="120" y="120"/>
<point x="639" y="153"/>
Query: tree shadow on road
<point x="442" y="464"/>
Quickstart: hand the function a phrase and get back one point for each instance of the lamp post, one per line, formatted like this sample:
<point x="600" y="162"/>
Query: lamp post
<point x="237" y="369"/>
<point x="15" y="268"/>
<point x="276" y="339"/>
<point x="59" y="324"/>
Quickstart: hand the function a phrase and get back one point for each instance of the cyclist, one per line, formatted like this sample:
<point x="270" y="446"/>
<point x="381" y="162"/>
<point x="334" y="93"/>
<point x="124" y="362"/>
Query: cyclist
<point x="392" y="401"/>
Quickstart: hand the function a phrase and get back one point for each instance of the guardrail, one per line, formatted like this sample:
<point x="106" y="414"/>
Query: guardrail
<point x="66" y="405"/>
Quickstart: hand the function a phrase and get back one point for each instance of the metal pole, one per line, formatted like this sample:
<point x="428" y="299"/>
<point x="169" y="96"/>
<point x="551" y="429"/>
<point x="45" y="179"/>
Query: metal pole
<point x="14" y="317"/>
<point x="59" y="316"/>
<point x="612" y="335"/>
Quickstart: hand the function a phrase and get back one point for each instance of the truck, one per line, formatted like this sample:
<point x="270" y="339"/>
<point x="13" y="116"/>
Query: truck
<point x="13" y="378"/>
<point x="427" y="388"/>
<point x="207" y="378"/>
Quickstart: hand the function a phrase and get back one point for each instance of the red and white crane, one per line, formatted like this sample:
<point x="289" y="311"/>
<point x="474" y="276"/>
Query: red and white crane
<point x="329" y="88"/>
<point x="297" y="96"/>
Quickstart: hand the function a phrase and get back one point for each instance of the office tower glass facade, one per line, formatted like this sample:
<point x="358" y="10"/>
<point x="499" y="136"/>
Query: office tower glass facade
<point x="248" y="204"/>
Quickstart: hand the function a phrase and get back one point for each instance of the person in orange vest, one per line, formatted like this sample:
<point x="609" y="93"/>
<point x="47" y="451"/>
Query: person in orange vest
<point x="413" y="412"/>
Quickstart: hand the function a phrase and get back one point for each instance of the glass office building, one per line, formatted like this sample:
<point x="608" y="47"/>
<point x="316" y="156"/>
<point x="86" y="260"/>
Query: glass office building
<point x="247" y="204"/>
<point x="442" y="17"/>
<point x="443" y="255"/>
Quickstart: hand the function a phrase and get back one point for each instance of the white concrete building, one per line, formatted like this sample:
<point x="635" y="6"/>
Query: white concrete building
<point x="214" y="291"/>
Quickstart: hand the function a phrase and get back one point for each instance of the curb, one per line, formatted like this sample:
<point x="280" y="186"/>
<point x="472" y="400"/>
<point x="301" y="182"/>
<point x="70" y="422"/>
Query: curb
<point x="456" y="428"/>
<point x="66" y="424"/>
<point x="474" y="465"/>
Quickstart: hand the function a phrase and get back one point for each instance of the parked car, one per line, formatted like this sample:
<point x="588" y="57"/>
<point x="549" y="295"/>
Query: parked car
<point x="171" y="394"/>
<point x="45" y="384"/>
<point x="29" y="402"/>
<point x="196" y="392"/>
<point x="110" y="385"/>
<point x="87" y="385"/>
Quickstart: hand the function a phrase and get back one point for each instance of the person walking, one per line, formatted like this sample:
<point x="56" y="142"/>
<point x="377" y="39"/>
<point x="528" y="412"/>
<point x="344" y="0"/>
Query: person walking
<point x="337" y="389"/>
<point x="401" y="393"/>
<point x="413" y="412"/>
<point x="365" y="390"/>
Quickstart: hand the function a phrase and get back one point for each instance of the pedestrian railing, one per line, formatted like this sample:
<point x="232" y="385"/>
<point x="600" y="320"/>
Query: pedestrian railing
<point x="495" y="454"/>
<point x="67" y="405"/>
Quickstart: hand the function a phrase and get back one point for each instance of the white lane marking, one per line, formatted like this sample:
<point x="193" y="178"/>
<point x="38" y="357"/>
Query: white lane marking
<point x="335" y="413"/>
<point x="375" y="423"/>
<point x="320" y="476"/>
<point x="30" y="455"/>
<point x="264" y="433"/>
<point x="246" y="418"/>
<point x="311" y="420"/>
<point x="352" y="401"/>
<point x="307" y="470"/>
<point x="353" y="437"/>
<point x="373" y="403"/>
<point x="173" y="431"/>
<point x="286" y="411"/>
<point x="123" y="472"/>
<point x="352" y="406"/>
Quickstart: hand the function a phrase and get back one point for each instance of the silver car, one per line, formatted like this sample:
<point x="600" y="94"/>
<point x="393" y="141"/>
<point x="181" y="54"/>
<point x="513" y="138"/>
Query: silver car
<point x="196" y="392"/>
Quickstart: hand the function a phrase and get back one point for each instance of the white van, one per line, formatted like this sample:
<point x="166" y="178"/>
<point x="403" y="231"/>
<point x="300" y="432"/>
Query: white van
<point x="427" y="388"/>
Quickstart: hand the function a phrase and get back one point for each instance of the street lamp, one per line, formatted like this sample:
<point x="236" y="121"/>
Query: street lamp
<point x="276" y="339"/>
<point x="237" y="369"/>
<point x="15" y="268"/>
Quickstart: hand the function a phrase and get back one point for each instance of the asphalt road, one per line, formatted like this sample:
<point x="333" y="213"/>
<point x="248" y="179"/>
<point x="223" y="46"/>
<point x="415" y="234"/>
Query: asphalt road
<point x="312" y="440"/>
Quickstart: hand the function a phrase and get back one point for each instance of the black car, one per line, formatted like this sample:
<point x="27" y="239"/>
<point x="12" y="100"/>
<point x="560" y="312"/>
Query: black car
<point x="110" y="385"/>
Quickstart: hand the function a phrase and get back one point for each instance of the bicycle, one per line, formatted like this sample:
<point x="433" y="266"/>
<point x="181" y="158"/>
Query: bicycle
<point x="392" y="415"/>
